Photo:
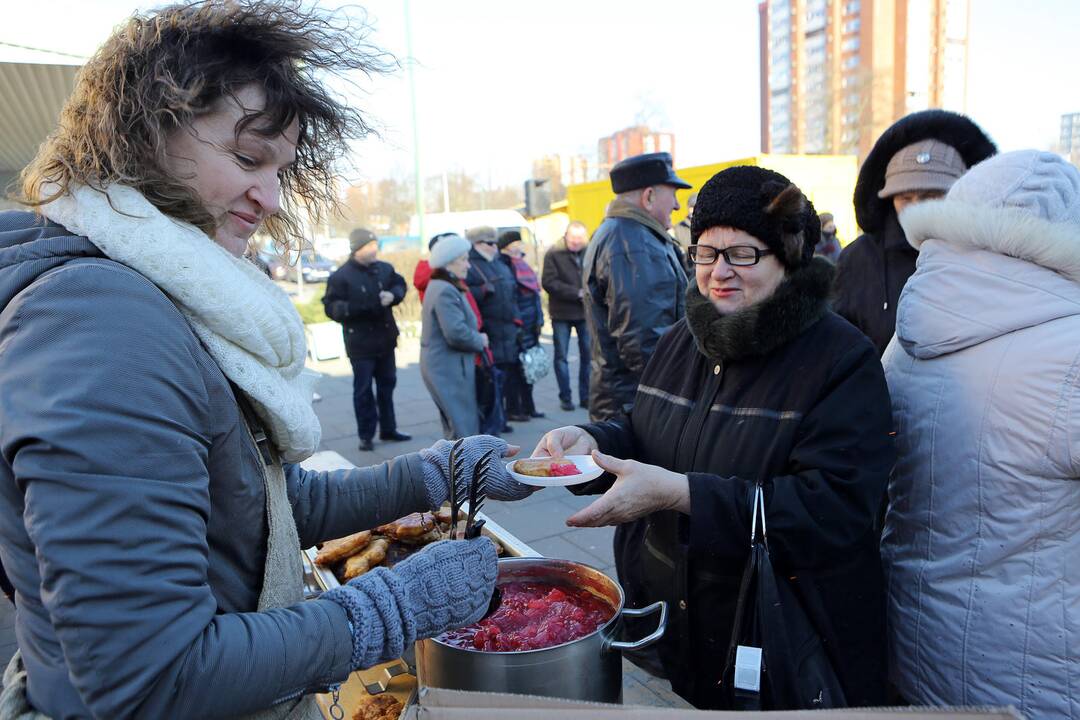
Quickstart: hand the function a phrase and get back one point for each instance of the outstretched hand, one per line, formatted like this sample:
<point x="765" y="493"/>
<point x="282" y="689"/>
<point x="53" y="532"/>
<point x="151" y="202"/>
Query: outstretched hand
<point x="560" y="442"/>
<point x="639" y="489"/>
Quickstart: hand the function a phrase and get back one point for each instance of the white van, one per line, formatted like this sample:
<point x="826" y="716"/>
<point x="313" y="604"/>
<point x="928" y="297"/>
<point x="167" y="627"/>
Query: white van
<point x="460" y="222"/>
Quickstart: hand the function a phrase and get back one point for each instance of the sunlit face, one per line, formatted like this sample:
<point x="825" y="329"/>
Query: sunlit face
<point x="576" y="238"/>
<point x="459" y="267"/>
<point x="907" y="199"/>
<point x="729" y="287"/>
<point x="236" y="177"/>
<point x="660" y="202"/>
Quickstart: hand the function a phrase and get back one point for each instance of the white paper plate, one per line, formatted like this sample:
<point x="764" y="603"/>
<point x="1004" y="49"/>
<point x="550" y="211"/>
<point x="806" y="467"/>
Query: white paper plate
<point x="589" y="471"/>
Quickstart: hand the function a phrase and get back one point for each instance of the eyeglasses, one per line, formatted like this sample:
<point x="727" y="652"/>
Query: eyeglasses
<point x="737" y="255"/>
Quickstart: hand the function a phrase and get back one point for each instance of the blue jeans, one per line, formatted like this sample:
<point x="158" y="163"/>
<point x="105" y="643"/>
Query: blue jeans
<point x="383" y="370"/>
<point x="561" y="333"/>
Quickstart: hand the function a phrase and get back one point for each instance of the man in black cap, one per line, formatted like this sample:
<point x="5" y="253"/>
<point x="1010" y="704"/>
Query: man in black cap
<point x="634" y="280"/>
<point x="360" y="295"/>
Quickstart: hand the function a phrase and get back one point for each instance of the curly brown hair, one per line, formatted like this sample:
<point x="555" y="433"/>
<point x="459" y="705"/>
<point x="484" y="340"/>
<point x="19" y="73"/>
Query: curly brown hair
<point x="158" y="72"/>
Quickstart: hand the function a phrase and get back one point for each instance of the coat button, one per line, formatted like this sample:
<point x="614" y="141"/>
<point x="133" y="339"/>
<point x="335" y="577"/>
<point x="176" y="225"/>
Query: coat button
<point x="716" y="370"/>
<point x="682" y="604"/>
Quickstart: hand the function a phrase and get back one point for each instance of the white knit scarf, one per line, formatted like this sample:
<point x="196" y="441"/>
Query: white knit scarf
<point x="246" y="323"/>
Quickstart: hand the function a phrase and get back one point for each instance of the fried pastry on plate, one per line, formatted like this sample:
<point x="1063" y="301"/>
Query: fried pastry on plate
<point x="371" y="556"/>
<point x="546" y="467"/>
<point x="334" y="551"/>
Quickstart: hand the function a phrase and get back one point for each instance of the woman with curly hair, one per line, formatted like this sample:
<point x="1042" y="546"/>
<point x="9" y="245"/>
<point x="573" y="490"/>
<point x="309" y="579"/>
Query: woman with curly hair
<point x="153" y="398"/>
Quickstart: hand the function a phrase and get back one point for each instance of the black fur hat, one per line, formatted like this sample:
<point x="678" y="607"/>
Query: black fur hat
<point x="951" y="128"/>
<point x="764" y="204"/>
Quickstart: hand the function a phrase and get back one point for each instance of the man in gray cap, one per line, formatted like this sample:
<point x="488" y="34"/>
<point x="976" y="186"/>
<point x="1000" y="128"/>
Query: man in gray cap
<point x="634" y="280"/>
<point x="918" y="158"/>
<point x="360" y="295"/>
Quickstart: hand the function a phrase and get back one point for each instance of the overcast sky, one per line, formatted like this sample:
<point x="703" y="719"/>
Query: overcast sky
<point x="500" y="82"/>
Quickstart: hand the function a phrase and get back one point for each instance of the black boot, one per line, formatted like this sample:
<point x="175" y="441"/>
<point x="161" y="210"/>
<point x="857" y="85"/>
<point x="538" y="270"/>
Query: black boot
<point x="366" y="445"/>
<point x="395" y="436"/>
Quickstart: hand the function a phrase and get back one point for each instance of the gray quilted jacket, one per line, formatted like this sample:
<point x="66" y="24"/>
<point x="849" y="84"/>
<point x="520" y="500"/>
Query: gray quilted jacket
<point x="982" y="538"/>
<point x="133" y="511"/>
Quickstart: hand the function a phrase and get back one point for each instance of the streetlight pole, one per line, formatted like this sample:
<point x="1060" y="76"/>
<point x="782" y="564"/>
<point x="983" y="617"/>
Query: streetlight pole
<point x="410" y="62"/>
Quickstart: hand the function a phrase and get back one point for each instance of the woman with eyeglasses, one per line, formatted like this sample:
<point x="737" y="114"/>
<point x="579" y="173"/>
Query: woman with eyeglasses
<point x="760" y="383"/>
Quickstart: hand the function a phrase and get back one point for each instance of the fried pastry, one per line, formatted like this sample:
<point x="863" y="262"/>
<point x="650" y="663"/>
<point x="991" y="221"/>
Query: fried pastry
<point x="371" y="556"/>
<point x="546" y="467"/>
<point x="379" y="707"/>
<point x="410" y="526"/>
<point x="334" y="551"/>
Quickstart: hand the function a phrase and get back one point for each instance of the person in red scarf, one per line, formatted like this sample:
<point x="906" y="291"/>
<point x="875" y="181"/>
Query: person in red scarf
<point x="519" y="398"/>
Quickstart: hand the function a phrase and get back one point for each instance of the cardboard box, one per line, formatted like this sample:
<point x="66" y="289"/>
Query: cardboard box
<point x="439" y="704"/>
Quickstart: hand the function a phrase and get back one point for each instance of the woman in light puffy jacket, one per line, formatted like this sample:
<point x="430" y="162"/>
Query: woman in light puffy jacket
<point x="982" y="535"/>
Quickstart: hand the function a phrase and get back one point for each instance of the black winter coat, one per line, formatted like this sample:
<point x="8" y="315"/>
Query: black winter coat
<point x="870" y="274"/>
<point x="352" y="299"/>
<point x="810" y="420"/>
<point x="634" y="284"/>
<point x="494" y="286"/>
<point x="561" y="280"/>
<point x="872" y="271"/>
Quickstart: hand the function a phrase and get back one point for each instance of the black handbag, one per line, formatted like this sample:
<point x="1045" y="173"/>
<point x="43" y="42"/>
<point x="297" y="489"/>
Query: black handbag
<point x="776" y="659"/>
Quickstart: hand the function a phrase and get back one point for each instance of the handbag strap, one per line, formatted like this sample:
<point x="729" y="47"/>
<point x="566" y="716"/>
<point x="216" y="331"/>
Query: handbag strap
<point x="758" y="509"/>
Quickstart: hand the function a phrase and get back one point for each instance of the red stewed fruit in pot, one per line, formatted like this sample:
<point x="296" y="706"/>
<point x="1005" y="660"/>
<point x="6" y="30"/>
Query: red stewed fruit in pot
<point x="533" y="616"/>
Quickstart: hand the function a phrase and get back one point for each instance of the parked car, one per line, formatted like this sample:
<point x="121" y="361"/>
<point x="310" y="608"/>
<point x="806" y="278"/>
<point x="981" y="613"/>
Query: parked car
<point x="274" y="265"/>
<point x="315" y="268"/>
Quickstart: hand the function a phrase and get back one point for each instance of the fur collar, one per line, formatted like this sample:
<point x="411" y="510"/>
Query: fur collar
<point x="1003" y="230"/>
<point x="950" y="128"/>
<point x="799" y="302"/>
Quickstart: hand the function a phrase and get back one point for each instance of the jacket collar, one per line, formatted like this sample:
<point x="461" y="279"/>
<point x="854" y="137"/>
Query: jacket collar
<point x="799" y="302"/>
<point x="621" y="209"/>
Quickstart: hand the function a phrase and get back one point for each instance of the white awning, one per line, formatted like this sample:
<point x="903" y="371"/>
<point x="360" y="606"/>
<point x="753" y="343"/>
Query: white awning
<point x="31" y="96"/>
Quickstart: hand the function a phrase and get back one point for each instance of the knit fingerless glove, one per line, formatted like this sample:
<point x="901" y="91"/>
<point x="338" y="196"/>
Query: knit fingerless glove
<point x="500" y="486"/>
<point x="446" y="585"/>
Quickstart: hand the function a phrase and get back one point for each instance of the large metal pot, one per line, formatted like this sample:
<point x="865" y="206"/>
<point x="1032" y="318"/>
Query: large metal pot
<point x="589" y="668"/>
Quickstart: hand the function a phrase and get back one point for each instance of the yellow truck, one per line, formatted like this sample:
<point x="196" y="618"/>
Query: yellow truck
<point x="828" y="180"/>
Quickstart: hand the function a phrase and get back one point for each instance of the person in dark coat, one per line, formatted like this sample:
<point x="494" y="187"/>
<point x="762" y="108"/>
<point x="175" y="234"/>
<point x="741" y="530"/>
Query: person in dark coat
<point x="634" y="280"/>
<point x="361" y="295"/>
<point x="760" y="383"/>
<point x="492" y="283"/>
<point x="561" y="280"/>
<point x="829" y="245"/>
<point x="918" y="158"/>
<point x="520" y="405"/>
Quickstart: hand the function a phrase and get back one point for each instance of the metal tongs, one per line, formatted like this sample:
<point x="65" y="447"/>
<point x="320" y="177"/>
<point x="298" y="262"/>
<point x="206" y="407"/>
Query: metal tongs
<point x="477" y="493"/>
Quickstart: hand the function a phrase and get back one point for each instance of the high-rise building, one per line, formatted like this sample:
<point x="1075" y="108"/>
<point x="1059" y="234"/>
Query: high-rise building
<point x="629" y="142"/>
<point x="836" y="73"/>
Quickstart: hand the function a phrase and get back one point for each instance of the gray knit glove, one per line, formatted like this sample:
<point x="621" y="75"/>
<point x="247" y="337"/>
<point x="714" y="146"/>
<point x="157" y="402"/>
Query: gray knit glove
<point x="500" y="485"/>
<point x="446" y="585"/>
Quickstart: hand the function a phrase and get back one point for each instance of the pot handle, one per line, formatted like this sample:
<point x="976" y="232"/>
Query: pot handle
<point x="652" y="637"/>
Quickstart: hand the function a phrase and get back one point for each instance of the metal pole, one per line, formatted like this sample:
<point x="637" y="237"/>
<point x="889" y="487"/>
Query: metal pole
<point x="410" y="61"/>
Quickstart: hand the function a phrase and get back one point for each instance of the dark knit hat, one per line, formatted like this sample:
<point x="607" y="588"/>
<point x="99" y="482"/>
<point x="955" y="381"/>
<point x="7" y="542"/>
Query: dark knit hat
<point x="508" y="236"/>
<point x="764" y="204"/>
<point x="360" y="237"/>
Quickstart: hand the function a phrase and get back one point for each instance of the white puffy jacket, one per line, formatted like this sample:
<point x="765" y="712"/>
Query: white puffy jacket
<point x="982" y="537"/>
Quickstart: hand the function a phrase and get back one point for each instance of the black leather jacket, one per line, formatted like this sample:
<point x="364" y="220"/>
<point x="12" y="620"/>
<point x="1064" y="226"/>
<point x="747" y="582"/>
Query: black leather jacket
<point x="634" y="286"/>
